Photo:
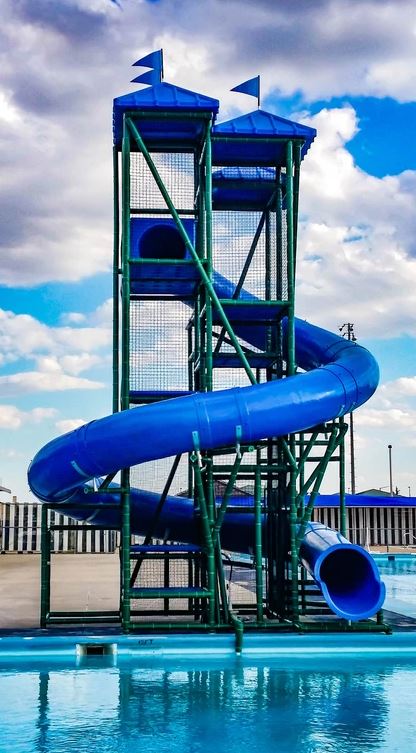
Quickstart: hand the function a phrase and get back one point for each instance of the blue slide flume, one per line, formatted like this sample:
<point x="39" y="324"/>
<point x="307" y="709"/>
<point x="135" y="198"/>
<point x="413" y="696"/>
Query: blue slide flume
<point x="339" y="376"/>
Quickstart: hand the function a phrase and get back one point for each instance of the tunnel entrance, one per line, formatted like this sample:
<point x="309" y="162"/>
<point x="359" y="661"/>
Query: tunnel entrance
<point x="162" y="242"/>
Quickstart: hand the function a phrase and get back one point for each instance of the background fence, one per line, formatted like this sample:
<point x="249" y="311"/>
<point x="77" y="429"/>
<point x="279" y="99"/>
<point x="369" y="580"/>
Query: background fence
<point x="374" y="526"/>
<point x="20" y="531"/>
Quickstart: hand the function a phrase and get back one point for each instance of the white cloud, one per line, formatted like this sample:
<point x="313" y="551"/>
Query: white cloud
<point x="72" y="317"/>
<point x="10" y="417"/>
<point x="75" y="364"/>
<point x="403" y="386"/>
<point x="71" y="364"/>
<point x="355" y="239"/>
<point x="55" y="127"/>
<point x="395" y="76"/>
<point x="103" y="315"/>
<point x="13" y="418"/>
<point x="392" y="418"/>
<point x="61" y="354"/>
<point x="38" y="381"/>
<point x="8" y="112"/>
<point x="24" y="336"/>
<point x="69" y="424"/>
<point x="40" y="414"/>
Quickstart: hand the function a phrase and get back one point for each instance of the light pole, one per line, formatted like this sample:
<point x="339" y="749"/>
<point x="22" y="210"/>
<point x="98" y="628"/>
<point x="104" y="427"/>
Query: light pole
<point x="347" y="330"/>
<point x="390" y="470"/>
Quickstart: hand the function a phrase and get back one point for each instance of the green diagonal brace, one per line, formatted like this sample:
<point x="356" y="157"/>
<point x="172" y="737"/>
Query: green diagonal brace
<point x="334" y="441"/>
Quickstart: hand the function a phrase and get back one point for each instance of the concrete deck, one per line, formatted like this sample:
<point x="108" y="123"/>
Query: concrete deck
<point x="81" y="582"/>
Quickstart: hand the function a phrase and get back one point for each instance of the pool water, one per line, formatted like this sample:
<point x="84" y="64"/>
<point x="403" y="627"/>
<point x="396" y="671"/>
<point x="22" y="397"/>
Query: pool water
<point x="228" y="706"/>
<point x="399" y="574"/>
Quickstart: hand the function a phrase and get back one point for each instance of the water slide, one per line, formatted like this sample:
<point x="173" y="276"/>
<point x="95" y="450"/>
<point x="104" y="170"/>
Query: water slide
<point x="339" y="377"/>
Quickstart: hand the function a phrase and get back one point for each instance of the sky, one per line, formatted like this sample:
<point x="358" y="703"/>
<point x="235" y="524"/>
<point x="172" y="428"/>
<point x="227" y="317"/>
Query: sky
<point x="345" y="68"/>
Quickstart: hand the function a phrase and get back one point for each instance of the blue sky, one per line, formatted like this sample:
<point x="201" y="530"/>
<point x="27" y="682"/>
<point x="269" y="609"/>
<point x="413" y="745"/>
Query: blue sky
<point x="345" y="68"/>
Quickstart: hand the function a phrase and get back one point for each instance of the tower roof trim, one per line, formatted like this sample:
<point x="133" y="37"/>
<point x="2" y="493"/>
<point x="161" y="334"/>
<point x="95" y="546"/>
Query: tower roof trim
<point x="166" y="96"/>
<point x="262" y="123"/>
<point x="256" y="127"/>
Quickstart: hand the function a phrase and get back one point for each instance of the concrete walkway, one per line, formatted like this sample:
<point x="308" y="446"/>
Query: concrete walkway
<point x="81" y="582"/>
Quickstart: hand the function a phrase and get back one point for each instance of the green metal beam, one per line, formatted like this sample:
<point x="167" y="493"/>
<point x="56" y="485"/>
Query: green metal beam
<point x="125" y="376"/>
<point x="45" y="568"/>
<point x="116" y="265"/>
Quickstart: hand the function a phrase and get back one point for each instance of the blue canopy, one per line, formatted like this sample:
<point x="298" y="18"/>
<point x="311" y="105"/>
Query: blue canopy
<point x="232" y="148"/>
<point x="164" y="97"/>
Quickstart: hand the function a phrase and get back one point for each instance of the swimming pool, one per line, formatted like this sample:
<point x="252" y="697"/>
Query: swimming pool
<point x="286" y="693"/>
<point x="217" y="706"/>
<point x="398" y="572"/>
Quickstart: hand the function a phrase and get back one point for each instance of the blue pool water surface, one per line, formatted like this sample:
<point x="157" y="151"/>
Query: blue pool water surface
<point x="230" y="705"/>
<point x="310" y="699"/>
<point x="399" y="574"/>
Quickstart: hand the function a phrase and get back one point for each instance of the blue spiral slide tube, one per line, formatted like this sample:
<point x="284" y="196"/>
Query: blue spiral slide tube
<point x="339" y="376"/>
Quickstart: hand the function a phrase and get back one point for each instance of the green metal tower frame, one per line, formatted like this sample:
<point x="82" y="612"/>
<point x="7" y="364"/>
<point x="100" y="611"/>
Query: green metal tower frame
<point x="280" y="472"/>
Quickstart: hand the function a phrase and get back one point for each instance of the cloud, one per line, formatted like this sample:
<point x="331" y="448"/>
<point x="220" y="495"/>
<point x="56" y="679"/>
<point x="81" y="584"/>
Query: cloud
<point x="37" y="381"/>
<point x="69" y="424"/>
<point x="357" y="256"/>
<point x="403" y="386"/>
<point x="320" y="48"/>
<point x="10" y="417"/>
<point x="8" y="112"/>
<point x="13" y="418"/>
<point x="103" y="315"/>
<point x="392" y="418"/>
<point x="24" y="336"/>
<point x="75" y="364"/>
<point x="72" y="317"/>
<point x="60" y="354"/>
<point x="55" y="114"/>
<point x="74" y="24"/>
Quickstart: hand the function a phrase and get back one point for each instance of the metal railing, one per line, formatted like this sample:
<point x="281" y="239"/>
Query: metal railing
<point x="22" y="539"/>
<point x="383" y="539"/>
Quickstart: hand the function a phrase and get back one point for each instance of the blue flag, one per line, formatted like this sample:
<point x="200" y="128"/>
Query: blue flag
<point x="251" y="87"/>
<point x="149" y="77"/>
<point x="153" y="60"/>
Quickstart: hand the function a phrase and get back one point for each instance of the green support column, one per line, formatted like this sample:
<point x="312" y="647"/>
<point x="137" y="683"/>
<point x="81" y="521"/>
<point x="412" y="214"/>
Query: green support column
<point x="45" y="567"/>
<point x="296" y="179"/>
<point x="291" y="363"/>
<point x="342" y="508"/>
<point x="208" y="304"/>
<point x="208" y="247"/>
<point x="207" y="537"/>
<point x="125" y="375"/>
<point x="291" y="368"/>
<point x="116" y="266"/>
<point x="258" y="557"/>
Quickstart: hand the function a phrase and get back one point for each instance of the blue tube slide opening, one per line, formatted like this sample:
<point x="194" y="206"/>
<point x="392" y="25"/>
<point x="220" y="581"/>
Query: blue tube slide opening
<point x="339" y="376"/>
<point x="346" y="573"/>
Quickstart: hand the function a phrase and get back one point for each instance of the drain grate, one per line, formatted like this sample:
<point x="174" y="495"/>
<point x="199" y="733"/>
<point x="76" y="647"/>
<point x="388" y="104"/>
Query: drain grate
<point x="96" y="649"/>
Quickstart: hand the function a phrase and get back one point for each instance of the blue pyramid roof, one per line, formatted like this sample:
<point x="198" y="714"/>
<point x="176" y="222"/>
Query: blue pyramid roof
<point x="167" y="98"/>
<point x="255" y="127"/>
